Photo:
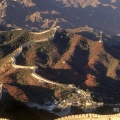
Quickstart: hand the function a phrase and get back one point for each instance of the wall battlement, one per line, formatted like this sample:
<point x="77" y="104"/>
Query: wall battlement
<point x="91" y="117"/>
<point x="3" y="119"/>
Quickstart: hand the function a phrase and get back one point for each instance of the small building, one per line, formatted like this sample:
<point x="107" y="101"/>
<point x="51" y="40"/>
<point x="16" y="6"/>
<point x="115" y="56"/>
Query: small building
<point x="75" y="104"/>
<point x="88" y="104"/>
<point x="1" y="90"/>
<point x="100" y="104"/>
<point x="69" y="104"/>
<point x="116" y="110"/>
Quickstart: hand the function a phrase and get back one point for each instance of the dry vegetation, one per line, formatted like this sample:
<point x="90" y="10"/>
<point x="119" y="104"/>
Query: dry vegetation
<point x="69" y="59"/>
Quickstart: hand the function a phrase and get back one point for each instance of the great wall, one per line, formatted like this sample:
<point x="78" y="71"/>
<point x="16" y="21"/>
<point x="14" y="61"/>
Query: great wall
<point x="40" y="78"/>
<point x="34" y="68"/>
<point x="91" y="117"/>
<point x="3" y="119"/>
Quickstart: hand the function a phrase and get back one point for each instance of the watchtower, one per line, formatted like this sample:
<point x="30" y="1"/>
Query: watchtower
<point x="101" y="36"/>
<point x="1" y="90"/>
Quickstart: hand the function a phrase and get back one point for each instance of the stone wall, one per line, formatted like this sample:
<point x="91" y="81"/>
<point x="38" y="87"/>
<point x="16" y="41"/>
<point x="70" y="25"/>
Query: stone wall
<point x="1" y="90"/>
<point x="43" y="40"/>
<point x="34" y="68"/>
<point x="91" y="117"/>
<point x="39" y="33"/>
<point x="20" y="66"/>
<point x="40" y="78"/>
<point x="3" y="119"/>
<point x="34" y="74"/>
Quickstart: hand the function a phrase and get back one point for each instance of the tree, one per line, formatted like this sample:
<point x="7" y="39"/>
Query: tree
<point x="90" y="81"/>
<point x="57" y="94"/>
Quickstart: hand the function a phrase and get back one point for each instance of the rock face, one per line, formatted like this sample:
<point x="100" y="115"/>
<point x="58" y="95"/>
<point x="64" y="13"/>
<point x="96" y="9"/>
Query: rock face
<point x="78" y="3"/>
<point x="37" y="15"/>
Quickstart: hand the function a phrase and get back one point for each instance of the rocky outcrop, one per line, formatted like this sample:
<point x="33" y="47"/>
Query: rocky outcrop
<point x="35" y="15"/>
<point x="82" y="3"/>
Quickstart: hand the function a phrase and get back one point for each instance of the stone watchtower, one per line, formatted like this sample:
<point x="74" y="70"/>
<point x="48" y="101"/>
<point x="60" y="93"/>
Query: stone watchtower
<point x="0" y="91"/>
<point x="101" y="36"/>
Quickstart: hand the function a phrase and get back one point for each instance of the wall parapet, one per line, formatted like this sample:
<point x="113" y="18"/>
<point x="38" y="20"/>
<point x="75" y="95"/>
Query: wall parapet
<point x="84" y="116"/>
<point x="39" y="33"/>
<point x="4" y="119"/>
<point x="34" y="74"/>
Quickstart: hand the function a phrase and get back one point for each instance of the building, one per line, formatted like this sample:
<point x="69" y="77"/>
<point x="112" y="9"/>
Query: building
<point x="1" y="90"/>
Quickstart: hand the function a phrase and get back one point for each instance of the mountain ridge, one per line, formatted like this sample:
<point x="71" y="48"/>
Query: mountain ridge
<point x="37" y="15"/>
<point x="71" y="58"/>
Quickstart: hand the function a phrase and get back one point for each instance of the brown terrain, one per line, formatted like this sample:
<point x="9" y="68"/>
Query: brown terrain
<point x="71" y="58"/>
<point x="18" y="85"/>
<point x="37" y="15"/>
<point x="75" y="59"/>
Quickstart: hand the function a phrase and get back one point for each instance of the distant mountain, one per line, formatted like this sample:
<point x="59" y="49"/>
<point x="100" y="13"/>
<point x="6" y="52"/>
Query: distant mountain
<point x="40" y="14"/>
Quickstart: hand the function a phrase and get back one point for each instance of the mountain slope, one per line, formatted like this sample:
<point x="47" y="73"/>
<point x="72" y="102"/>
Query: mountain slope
<point x="37" y="15"/>
<point x="71" y="58"/>
<point x="75" y="55"/>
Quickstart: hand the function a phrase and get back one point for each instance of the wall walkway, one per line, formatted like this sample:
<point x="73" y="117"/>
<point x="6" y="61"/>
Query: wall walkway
<point x="34" y="68"/>
<point x="91" y="117"/>
<point x="3" y="119"/>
